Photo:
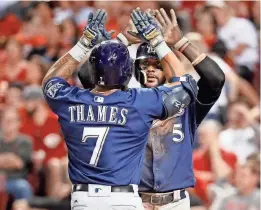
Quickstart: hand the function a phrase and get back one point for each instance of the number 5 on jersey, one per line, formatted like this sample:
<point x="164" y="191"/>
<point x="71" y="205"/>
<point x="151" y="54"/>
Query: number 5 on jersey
<point x="179" y="135"/>
<point x="95" y="132"/>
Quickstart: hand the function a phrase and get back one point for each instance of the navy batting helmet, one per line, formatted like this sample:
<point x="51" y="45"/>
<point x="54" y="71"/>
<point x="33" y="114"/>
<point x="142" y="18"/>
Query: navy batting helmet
<point x="144" y="51"/>
<point x="111" y="64"/>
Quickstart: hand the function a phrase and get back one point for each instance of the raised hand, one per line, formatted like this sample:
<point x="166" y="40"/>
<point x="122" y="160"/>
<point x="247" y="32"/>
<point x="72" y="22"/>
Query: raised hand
<point x="145" y="25"/>
<point x="169" y="27"/>
<point x="94" y="32"/>
<point x="130" y="27"/>
<point x="106" y="35"/>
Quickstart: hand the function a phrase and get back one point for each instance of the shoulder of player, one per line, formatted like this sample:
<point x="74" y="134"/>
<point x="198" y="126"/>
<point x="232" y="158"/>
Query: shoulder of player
<point x="53" y="86"/>
<point x="138" y="97"/>
<point x="132" y="92"/>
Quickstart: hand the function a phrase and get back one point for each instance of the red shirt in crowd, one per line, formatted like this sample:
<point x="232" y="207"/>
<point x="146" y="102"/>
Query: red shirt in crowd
<point x="9" y="25"/>
<point x="21" y="74"/>
<point x="47" y="137"/>
<point x="202" y="163"/>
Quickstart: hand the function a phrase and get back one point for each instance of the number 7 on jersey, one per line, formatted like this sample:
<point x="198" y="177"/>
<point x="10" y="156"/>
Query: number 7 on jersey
<point x="95" y="132"/>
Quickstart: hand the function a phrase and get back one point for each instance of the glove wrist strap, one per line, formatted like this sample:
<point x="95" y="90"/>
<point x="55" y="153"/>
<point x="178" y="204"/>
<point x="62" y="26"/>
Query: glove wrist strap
<point x="123" y="39"/>
<point x="156" y="41"/>
<point x="80" y="50"/>
<point x="162" y="49"/>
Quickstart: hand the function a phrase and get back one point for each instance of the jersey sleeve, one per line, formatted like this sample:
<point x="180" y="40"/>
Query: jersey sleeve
<point x="177" y="98"/>
<point x="149" y="103"/>
<point x="58" y="91"/>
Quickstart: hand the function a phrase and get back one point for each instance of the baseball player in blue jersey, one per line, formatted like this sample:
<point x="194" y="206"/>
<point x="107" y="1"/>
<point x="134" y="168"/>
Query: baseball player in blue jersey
<point x="106" y="128"/>
<point x="168" y="169"/>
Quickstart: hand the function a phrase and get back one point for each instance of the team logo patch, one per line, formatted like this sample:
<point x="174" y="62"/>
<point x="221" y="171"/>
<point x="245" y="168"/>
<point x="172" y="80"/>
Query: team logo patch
<point x="98" y="99"/>
<point x="97" y="190"/>
<point x="150" y="49"/>
<point x="51" y="89"/>
<point x="181" y="112"/>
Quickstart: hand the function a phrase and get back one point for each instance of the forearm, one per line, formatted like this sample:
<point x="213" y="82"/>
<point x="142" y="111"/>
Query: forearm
<point x="3" y="161"/>
<point x="207" y="69"/>
<point x="191" y="52"/>
<point x="219" y="167"/>
<point x="10" y="161"/>
<point x="246" y="90"/>
<point x="63" y="68"/>
<point x="233" y="82"/>
<point x="172" y="67"/>
<point x="238" y="50"/>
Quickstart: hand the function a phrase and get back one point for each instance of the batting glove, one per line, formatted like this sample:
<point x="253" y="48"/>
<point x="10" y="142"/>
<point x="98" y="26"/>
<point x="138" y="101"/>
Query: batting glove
<point x="147" y="28"/>
<point x="94" y="33"/>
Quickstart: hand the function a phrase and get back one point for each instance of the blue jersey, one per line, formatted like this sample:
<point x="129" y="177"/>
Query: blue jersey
<point x="168" y="160"/>
<point x="106" y="136"/>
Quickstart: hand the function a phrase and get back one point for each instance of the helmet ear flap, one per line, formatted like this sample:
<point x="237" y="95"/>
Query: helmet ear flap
<point x="143" y="78"/>
<point x="86" y="75"/>
<point x="140" y="76"/>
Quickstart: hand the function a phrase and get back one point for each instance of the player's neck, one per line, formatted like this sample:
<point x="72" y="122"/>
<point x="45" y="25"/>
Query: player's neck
<point x="104" y="90"/>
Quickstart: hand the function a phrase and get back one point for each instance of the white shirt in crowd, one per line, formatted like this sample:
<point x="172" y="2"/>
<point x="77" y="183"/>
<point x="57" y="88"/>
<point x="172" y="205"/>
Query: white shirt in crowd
<point x="241" y="31"/>
<point x="241" y="142"/>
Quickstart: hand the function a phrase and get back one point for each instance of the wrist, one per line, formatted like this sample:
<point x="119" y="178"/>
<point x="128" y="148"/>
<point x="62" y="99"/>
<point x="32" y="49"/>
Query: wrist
<point x="80" y="50"/>
<point x="214" y="149"/>
<point x="156" y="41"/>
<point x="162" y="49"/>
<point x="181" y="43"/>
<point x="122" y="38"/>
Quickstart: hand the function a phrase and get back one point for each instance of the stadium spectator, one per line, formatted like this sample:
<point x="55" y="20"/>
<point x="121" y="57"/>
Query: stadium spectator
<point x="12" y="97"/>
<point x="247" y="193"/>
<point x="50" y="51"/>
<point x="15" y="155"/>
<point x="69" y="32"/>
<point x="48" y="146"/>
<point x="62" y="12"/>
<point x="13" y="66"/>
<point x="256" y="15"/>
<point x="242" y="133"/>
<point x="206" y="26"/>
<point x="234" y="87"/>
<point x="239" y="36"/>
<point x="34" y="74"/>
<point x="81" y="10"/>
<point x="210" y="161"/>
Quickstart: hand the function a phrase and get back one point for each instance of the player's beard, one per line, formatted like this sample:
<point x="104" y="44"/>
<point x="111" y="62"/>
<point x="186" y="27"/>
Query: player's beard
<point x="153" y="82"/>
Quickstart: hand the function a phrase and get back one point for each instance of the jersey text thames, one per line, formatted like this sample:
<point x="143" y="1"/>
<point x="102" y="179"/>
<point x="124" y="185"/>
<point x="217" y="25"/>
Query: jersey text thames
<point x="103" y="114"/>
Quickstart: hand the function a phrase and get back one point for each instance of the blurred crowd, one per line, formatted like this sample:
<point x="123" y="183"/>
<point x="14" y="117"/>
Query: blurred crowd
<point x="34" y="34"/>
